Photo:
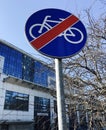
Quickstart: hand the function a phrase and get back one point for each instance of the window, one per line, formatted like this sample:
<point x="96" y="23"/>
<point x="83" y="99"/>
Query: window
<point x="16" y="101"/>
<point x="42" y="105"/>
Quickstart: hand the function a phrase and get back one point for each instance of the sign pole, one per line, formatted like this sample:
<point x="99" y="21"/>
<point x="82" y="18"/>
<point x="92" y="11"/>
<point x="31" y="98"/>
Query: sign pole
<point x="60" y="96"/>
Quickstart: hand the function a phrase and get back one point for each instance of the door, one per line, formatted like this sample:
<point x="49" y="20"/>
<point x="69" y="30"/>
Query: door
<point x="42" y="123"/>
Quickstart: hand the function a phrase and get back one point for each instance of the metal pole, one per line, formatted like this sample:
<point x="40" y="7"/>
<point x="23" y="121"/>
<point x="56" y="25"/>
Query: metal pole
<point x="60" y="96"/>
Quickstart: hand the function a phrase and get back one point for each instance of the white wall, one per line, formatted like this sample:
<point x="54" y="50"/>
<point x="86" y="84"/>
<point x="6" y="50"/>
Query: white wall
<point x="18" y="115"/>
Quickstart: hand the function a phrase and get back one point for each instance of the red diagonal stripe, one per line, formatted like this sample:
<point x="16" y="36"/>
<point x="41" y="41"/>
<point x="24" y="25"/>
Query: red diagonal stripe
<point x="46" y="37"/>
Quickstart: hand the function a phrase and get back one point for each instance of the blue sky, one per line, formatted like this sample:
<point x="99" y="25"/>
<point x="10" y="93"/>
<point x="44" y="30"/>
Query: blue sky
<point x="14" y="14"/>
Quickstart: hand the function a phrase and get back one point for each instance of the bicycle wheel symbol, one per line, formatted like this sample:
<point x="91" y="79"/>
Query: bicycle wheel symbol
<point x="34" y="30"/>
<point x="73" y="35"/>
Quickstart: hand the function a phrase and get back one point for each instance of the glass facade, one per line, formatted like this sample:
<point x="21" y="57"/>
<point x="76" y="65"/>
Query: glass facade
<point x="41" y="74"/>
<point x="24" y="67"/>
<point x="13" y="58"/>
<point x="16" y="101"/>
<point x="27" y="68"/>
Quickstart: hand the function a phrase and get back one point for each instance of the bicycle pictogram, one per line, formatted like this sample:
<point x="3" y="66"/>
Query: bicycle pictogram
<point x="72" y="35"/>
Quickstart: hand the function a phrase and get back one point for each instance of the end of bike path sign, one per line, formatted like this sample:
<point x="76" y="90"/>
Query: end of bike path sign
<point x="55" y="33"/>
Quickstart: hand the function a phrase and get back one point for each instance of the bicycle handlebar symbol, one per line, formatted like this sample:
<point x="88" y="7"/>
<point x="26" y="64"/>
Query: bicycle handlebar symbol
<point x="72" y="35"/>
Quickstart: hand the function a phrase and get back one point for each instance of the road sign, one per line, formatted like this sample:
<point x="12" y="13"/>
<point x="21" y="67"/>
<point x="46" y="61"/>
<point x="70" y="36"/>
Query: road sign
<point x="55" y="33"/>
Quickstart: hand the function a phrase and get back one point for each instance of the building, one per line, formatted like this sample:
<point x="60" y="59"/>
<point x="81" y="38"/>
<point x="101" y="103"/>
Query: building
<point x="26" y="87"/>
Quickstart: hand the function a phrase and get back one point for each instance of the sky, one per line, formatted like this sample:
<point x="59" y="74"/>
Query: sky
<point x="14" y="14"/>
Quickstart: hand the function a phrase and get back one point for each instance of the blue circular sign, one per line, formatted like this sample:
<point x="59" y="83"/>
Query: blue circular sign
<point x="55" y="33"/>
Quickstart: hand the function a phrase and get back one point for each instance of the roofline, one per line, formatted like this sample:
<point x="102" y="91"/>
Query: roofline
<point x="22" y="51"/>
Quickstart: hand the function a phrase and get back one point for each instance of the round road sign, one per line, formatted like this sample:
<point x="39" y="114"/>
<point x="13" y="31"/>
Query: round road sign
<point x="55" y="33"/>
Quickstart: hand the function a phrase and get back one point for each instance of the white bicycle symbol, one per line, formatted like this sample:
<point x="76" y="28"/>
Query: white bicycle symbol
<point x="72" y="34"/>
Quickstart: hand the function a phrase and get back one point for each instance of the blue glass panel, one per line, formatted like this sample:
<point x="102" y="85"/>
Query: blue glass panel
<point x="27" y="68"/>
<point x="41" y="74"/>
<point x="13" y="61"/>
